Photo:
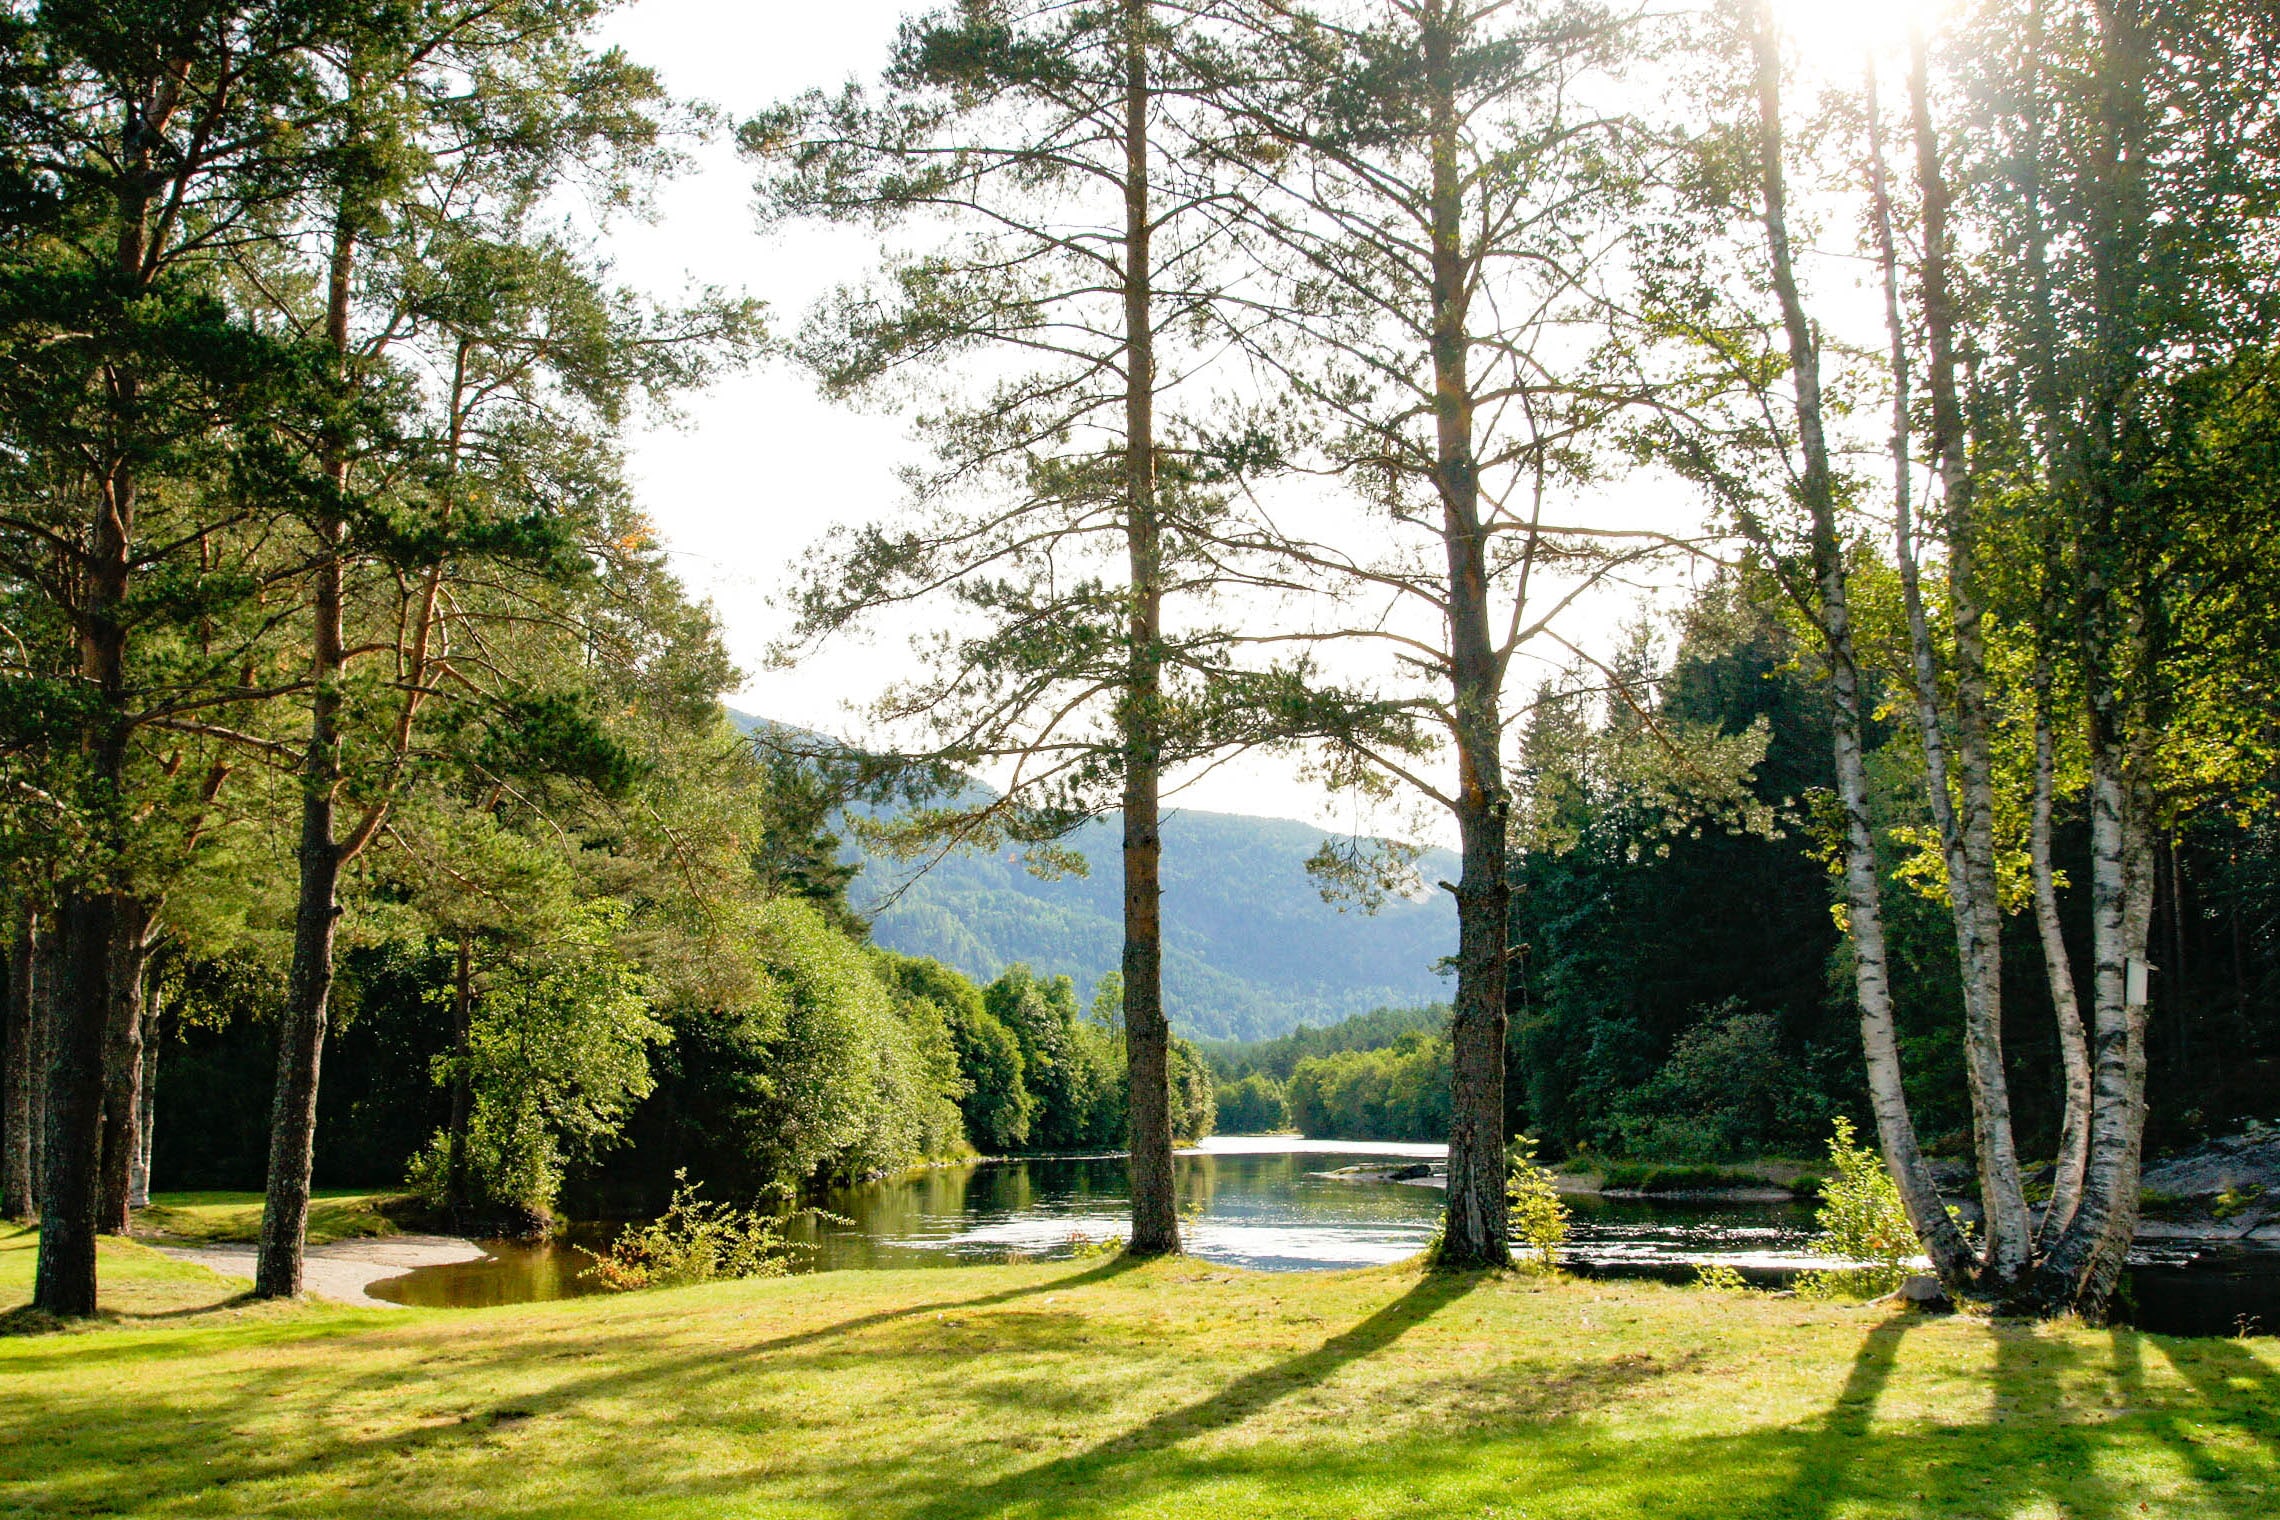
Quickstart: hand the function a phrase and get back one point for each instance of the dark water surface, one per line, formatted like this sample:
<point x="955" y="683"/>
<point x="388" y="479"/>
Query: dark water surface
<point x="1264" y="1203"/>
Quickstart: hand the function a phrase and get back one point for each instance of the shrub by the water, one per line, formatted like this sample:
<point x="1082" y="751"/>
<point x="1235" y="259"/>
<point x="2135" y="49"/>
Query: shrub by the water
<point x="1539" y="1220"/>
<point x="695" y="1240"/>
<point x="1863" y="1223"/>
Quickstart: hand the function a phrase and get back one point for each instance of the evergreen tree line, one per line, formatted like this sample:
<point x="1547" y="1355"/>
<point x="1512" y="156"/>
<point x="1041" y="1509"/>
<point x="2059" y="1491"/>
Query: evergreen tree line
<point x="1681" y="992"/>
<point x="348" y="697"/>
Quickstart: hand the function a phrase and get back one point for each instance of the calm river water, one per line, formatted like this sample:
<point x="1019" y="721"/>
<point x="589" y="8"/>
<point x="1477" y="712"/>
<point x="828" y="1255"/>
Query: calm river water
<point x="1263" y="1202"/>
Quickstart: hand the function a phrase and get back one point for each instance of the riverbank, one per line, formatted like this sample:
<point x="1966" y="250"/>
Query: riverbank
<point x="1762" y="1182"/>
<point x="355" y="1240"/>
<point x="344" y="1272"/>
<point x="1103" y="1389"/>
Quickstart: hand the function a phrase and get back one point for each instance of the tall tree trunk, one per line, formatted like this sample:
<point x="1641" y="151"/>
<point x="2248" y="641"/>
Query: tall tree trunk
<point x="458" y="1193"/>
<point x="2111" y="625"/>
<point x="2058" y="448"/>
<point x="87" y="916"/>
<point x="16" y="1079"/>
<point x="1973" y="891"/>
<point x="1951" y="1254"/>
<point x="1476" y="1231"/>
<point x="2082" y="1266"/>
<point x="79" y="1016"/>
<point x="65" y="1283"/>
<point x="146" y="1111"/>
<point x="47" y="979"/>
<point x="2058" y="967"/>
<point x="122" y="1065"/>
<point x="301" y="1039"/>
<point x="1147" y="1031"/>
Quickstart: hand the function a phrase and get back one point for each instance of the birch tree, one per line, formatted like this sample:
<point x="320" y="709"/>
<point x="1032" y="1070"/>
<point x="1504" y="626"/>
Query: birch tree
<point x="1753" y="427"/>
<point x="2096" y="350"/>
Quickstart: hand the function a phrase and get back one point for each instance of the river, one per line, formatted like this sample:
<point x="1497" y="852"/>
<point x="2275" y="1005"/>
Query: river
<point x="1266" y="1203"/>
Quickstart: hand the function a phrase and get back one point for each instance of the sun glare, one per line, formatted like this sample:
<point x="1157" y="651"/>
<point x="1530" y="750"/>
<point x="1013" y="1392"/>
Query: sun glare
<point x="1836" y="34"/>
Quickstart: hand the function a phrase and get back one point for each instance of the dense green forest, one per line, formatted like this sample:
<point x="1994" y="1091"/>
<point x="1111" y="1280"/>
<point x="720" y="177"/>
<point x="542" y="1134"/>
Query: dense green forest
<point x="1288" y="381"/>
<point x="1680" y="991"/>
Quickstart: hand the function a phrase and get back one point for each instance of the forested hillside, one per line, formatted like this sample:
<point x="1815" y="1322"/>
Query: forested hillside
<point x="1250" y="948"/>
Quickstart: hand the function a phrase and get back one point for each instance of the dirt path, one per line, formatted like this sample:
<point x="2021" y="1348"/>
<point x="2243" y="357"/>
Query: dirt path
<point x="344" y="1271"/>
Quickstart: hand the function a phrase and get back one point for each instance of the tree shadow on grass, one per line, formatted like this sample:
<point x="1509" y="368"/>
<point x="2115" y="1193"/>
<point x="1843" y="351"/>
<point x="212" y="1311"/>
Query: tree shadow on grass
<point x="1075" y="1477"/>
<point x="170" y="1467"/>
<point x="2041" y="1438"/>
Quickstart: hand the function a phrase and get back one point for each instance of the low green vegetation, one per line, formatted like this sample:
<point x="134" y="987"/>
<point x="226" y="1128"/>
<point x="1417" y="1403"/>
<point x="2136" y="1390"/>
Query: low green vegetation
<point x="1649" y="1177"/>
<point x="1863" y="1224"/>
<point x="1539" y="1219"/>
<point x="695" y="1240"/>
<point x="214" y="1218"/>
<point x="1096" y="1388"/>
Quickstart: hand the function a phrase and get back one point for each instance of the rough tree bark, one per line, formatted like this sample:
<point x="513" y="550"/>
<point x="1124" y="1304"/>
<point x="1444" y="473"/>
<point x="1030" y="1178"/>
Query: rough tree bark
<point x="2058" y="968"/>
<point x="301" y="1039"/>
<point x="65" y="1284"/>
<point x="1147" y="1032"/>
<point x="1475" y="1231"/>
<point x="1951" y="1254"/>
<point x="16" y="1079"/>
<point x="47" y="977"/>
<point x="146" y="1111"/>
<point x="1978" y="908"/>
<point x="122" y="1066"/>
<point x="88" y="914"/>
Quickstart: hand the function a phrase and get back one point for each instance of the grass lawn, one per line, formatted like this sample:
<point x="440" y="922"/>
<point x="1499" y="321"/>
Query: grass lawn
<point x="206" y="1218"/>
<point x="1098" y="1388"/>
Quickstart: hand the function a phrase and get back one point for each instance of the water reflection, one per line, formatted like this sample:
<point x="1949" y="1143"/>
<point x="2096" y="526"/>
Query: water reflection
<point x="1245" y="1207"/>
<point x="1266" y="1204"/>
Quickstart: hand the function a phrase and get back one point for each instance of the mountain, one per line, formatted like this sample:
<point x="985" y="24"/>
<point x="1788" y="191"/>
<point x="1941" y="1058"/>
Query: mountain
<point x="1250" y="948"/>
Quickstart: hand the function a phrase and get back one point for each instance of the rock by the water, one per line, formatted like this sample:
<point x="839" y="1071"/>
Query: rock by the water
<point x="1924" y="1292"/>
<point x="2234" y="1164"/>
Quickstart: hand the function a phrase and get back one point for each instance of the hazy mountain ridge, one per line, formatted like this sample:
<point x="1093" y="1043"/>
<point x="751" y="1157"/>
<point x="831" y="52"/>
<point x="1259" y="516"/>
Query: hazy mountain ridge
<point x="1250" y="948"/>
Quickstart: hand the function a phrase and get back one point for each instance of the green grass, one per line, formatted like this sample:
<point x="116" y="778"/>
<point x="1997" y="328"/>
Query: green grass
<point x="210" y="1218"/>
<point x="1100" y="1388"/>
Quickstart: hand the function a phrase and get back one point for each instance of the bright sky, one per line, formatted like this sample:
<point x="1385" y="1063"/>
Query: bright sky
<point x="761" y="466"/>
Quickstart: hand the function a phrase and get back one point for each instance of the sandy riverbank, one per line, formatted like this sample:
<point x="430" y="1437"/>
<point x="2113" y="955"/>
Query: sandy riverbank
<point x="344" y="1271"/>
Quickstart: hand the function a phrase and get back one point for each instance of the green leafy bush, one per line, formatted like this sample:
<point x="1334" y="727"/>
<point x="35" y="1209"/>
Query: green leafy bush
<point x="1863" y="1223"/>
<point x="694" y="1241"/>
<point x="557" y="1056"/>
<point x="1082" y="1245"/>
<point x="1539" y="1220"/>
<point x="1728" y="1088"/>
